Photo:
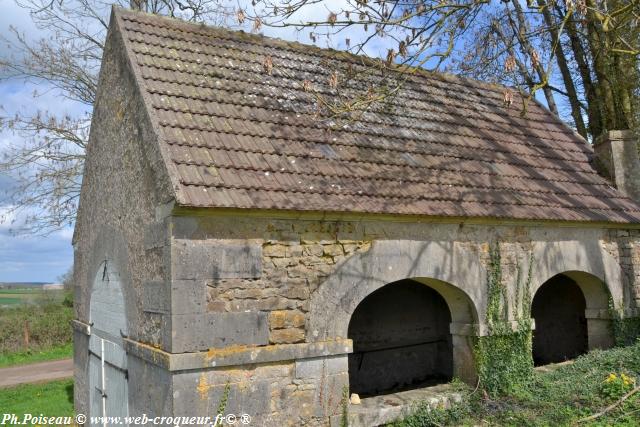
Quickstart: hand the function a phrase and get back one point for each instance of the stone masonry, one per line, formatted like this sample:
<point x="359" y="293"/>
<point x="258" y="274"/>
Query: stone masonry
<point x="209" y="266"/>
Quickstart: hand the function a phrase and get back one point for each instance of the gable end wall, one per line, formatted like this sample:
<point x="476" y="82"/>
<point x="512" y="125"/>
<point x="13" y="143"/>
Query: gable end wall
<point x="124" y="186"/>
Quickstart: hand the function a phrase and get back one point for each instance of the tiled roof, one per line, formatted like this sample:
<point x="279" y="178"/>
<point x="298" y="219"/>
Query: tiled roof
<point x="237" y="136"/>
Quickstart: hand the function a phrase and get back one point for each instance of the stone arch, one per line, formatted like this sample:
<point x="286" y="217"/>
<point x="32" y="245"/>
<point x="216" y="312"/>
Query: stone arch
<point x="447" y="267"/>
<point x="595" y="290"/>
<point x="571" y="310"/>
<point x="401" y="339"/>
<point x="587" y="263"/>
<point x="437" y="264"/>
<point x="108" y="313"/>
<point x="109" y="245"/>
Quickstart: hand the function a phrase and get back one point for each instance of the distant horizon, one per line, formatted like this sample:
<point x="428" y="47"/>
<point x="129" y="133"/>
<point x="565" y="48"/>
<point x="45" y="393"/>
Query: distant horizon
<point x="29" y="283"/>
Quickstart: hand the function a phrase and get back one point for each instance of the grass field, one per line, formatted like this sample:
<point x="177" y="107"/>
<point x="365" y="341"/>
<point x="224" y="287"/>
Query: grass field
<point x="49" y="399"/>
<point x="33" y="356"/>
<point x="12" y="297"/>
<point x="9" y="300"/>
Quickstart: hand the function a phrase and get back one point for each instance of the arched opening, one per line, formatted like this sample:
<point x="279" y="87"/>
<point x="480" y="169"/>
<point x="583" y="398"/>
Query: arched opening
<point x="401" y="339"/>
<point x="561" y="326"/>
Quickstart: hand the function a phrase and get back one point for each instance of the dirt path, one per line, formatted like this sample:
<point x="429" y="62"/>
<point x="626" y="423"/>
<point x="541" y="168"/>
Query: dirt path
<point x="36" y="372"/>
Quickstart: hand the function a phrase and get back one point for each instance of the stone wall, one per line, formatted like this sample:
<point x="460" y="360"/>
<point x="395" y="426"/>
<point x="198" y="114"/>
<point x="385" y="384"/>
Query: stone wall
<point x="124" y="181"/>
<point x="624" y="245"/>
<point x="296" y="257"/>
<point x="294" y="263"/>
<point x="265" y="297"/>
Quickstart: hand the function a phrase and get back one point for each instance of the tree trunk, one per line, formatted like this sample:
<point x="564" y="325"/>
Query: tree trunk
<point x="567" y="78"/>
<point x="594" y="108"/>
<point x="527" y="49"/>
<point x="599" y="48"/>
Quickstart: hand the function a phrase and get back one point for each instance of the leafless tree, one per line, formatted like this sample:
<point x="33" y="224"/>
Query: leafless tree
<point x="589" y="51"/>
<point x="582" y="52"/>
<point x="46" y="154"/>
<point x="582" y="55"/>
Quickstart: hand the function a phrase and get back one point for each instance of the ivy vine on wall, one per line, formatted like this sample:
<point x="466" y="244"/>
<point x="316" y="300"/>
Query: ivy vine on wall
<point x="503" y="356"/>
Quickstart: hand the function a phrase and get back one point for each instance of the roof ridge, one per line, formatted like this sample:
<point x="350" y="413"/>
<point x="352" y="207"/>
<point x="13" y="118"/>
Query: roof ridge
<point x="167" y="57"/>
<point x="322" y="89"/>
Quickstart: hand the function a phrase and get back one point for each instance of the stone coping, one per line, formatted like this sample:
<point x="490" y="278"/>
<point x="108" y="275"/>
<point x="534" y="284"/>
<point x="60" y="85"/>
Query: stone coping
<point x="614" y="135"/>
<point x="236" y="355"/>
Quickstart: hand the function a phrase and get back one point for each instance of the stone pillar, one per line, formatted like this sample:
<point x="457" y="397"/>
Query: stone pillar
<point x="599" y="329"/>
<point x="616" y="158"/>
<point x="462" y="340"/>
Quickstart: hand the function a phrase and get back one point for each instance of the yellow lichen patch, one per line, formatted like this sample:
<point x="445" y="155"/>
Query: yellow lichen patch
<point x="203" y="386"/>
<point x="120" y="113"/>
<point x="226" y="351"/>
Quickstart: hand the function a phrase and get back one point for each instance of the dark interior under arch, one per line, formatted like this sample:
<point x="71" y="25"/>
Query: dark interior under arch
<point x="561" y="328"/>
<point x="401" y="340"/>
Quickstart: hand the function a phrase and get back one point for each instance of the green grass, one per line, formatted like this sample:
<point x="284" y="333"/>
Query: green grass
<point x="12" y="297"/>
<point x="24" y="291"/>
<point x="32" y="356"/>
<point x="559" y="397"/>
<point x="19" y="296"/>
<point x="50" y="399"/>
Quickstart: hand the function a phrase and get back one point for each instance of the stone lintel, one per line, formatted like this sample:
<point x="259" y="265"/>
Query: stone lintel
<point x="199" y="332"/>
<point x="481" y="329"/>
<point x="236" y="355"/>
<point x="215" y="259"/>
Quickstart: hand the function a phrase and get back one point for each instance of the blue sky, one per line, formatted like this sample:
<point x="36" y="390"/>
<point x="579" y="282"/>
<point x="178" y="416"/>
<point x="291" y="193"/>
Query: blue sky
<point x="27" y="258"/>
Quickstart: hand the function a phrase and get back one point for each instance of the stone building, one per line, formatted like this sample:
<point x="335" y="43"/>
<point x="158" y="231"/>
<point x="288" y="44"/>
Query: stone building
<point x="230" y="237"/>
